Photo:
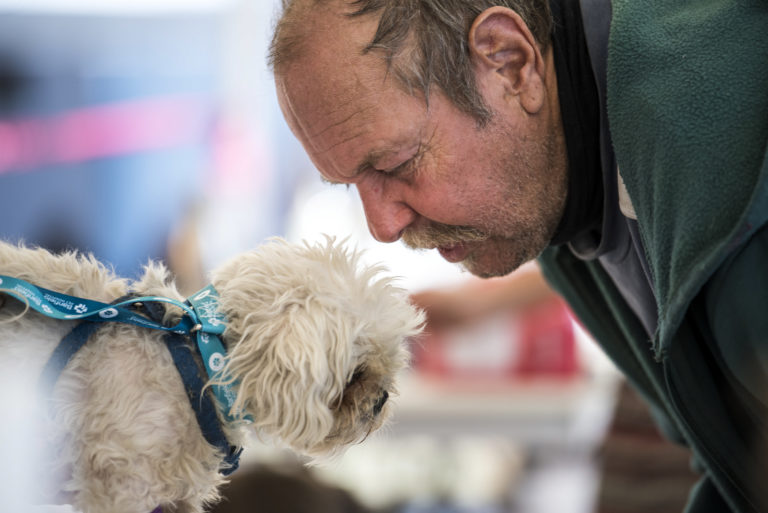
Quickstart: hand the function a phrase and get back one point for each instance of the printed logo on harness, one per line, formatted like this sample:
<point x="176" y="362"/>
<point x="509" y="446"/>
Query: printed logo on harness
<point x="216" y="362"/>
<point x="81" y="308"/>
<point x="209" y="313"/>
<point x="108" y="313"/>
<point x="204" y="294"/>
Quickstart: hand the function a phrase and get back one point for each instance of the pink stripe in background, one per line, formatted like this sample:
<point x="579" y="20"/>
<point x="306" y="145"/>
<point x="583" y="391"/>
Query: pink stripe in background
<point x="103" y="131"/>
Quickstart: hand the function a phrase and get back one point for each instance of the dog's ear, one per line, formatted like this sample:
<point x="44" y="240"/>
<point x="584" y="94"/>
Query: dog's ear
<point x="291" y="369"/>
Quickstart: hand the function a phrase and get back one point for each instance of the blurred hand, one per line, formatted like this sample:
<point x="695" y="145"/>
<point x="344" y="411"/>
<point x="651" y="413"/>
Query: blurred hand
<point x="477" y="298"/>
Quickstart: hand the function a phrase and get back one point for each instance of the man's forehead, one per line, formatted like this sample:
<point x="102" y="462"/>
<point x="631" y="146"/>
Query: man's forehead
<point x="332" y="129"/>
<point x="345" y="133"/>
<point x="333" y="96"/>
<point x="339" y="97"/>
<point x="330" y="108"/>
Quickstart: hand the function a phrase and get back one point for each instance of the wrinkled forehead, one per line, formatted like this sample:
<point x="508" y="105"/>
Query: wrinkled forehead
<point x="327" y="118"/>
<point x="332" y="93"/>
<point x="325" y="103"/>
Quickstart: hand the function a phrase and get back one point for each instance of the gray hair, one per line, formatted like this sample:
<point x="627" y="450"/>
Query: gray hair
<point x="429" y="35"/>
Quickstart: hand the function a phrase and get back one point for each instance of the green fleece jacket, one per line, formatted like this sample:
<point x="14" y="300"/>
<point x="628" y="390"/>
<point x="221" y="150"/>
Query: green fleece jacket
<point x="687" y="109"/>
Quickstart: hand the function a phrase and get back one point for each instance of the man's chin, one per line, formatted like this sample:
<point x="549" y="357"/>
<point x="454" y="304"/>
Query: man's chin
<point x="484" y="271"/>
<point x="491" y="262"/>
<point x="489" y="258"/>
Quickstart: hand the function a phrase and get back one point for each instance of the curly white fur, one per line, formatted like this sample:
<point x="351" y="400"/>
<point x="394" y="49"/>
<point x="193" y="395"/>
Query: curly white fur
<point x="314" y="340"/>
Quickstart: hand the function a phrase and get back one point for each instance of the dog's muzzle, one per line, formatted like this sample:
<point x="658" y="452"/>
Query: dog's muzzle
<point x="380" y="403"/>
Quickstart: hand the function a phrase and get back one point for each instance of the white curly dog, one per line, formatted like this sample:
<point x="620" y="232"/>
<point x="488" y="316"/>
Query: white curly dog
<point x="313" y="344"/>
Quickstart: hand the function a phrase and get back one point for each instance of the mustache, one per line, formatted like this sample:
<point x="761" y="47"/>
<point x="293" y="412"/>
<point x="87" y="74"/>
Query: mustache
<point x="434" y="235"/>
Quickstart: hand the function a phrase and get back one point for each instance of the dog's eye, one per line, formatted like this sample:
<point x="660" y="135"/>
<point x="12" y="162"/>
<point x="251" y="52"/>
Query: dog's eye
<point x="356" y="376"/>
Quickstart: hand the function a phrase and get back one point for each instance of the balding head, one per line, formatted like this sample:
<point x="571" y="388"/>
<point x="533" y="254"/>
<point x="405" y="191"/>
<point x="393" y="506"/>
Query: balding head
<point x="300" y="22"/>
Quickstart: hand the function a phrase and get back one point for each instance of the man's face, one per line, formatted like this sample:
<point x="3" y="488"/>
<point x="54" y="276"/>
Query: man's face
<point x="487" y="197"/>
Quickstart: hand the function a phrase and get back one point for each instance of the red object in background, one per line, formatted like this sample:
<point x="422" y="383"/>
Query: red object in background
<point x="547" y="340"/>
<point x="535" y="342"/>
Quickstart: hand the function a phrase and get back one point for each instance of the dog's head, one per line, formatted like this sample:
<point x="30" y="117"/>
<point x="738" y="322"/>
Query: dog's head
<point x="315" y="341"/>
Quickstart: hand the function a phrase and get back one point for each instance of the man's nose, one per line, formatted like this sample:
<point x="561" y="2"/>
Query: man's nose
<point x="388" y="216"/>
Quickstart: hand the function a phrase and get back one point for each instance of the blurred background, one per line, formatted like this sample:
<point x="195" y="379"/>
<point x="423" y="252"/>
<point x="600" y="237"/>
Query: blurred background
<point x="149" y="129"/>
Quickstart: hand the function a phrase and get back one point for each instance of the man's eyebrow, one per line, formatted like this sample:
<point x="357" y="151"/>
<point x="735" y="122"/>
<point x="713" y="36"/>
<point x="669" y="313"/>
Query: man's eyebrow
<point x="328" y="181"/>
<point x="358" y="170"/>
<point x="371" y="157"/>
<point x="366" y="162"/>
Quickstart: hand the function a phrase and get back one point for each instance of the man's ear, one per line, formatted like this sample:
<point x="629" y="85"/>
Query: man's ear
<point x="504" y="51"/>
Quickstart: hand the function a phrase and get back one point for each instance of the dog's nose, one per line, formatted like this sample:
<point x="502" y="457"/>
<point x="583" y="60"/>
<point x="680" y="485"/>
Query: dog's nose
<point x="380" y="403"/>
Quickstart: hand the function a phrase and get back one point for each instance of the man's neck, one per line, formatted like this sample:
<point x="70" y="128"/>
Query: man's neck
<point x="579" y="110"/>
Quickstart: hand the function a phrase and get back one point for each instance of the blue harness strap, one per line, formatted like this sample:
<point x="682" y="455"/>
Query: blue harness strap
<point x="201" y="317"/>
<point x="182" y="352"/>
<point x="202" y="404"/>
<point x="181" y="349"/>
<point x="61" y="356"/>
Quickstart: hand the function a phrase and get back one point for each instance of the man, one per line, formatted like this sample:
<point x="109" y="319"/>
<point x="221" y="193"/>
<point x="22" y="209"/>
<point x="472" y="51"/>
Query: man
<point x="623" y="145"/>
